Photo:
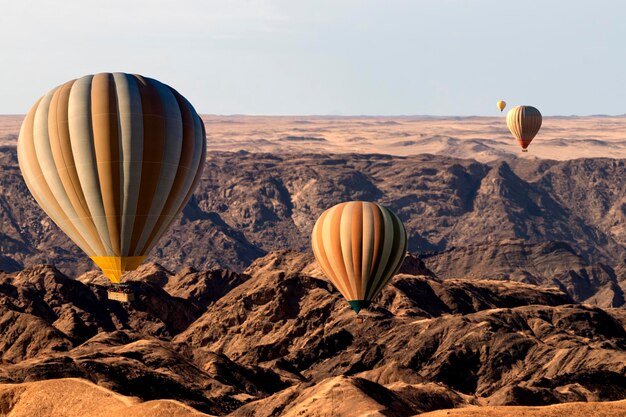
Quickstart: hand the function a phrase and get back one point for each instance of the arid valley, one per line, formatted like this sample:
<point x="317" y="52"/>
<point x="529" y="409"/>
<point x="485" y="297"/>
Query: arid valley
<point x="510" y="302"/>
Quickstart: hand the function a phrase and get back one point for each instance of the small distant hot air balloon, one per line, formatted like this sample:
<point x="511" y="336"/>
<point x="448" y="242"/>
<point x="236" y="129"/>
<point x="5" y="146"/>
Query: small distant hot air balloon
<point x="112" y="159"/>
<point x="360" y="247"/>
<point x="501" y="105"/>
<point x="524" y="122"/>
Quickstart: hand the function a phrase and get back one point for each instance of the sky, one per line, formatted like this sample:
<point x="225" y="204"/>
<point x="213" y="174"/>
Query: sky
<point x="328" y="57"/>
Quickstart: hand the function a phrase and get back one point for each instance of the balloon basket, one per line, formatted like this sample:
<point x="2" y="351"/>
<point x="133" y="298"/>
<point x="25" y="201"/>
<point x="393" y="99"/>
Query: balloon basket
<point x="524" y="150"/>
<point x="121" y="293"/>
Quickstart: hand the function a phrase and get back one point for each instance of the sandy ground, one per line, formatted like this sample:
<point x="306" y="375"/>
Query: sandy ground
<point x="606" y="409"/>
<point x="9" y="128"/>
<point x="71" y="397"/>
<point x="481" y="138"/>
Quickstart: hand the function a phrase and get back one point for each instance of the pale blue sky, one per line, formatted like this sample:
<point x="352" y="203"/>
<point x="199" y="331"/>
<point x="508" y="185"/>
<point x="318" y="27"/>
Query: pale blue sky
<point x="348" y="57"/>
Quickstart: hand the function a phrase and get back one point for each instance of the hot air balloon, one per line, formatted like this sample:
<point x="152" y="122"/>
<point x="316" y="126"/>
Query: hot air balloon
<point x="360" y="247"/>
<point x="112" y="159"/>
<point x="501" y="105"/>
<point x="524" y="122"/>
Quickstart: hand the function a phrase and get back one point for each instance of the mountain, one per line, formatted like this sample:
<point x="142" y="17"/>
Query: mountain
<point x="248" y="204"/>
<point x="549" y="264"/>
<point x="278" y="339"/>
<point x="58" y="398"/>
<point x="508" y="297"/>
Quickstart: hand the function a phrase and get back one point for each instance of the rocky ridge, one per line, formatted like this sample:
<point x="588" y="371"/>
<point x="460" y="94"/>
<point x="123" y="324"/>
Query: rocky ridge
<point x="248" y="204"/>
<point x="279" y="340"/>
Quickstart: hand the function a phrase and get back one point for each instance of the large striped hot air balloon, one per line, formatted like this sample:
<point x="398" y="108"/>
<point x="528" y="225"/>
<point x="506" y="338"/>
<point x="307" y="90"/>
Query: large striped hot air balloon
<point x="112" y="159"/>
<point x="524" y="122"/>
<point x="360" y="247"/>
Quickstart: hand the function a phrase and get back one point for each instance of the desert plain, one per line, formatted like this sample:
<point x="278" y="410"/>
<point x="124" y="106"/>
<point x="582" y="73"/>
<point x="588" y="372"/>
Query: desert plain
<point x="481" y="138"/>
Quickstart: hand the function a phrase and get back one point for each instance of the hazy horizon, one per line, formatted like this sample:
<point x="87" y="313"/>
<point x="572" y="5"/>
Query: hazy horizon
<point x="390" y="116"/>
<point x="263" y="57"/>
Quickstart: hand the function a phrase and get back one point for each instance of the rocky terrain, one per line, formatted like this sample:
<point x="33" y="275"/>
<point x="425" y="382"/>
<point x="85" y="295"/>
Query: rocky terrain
<point x="58" y="398"/>
<point x="78" y="397"/>
<point x="549" y="264"/>
<point x="249" y="204"/>
<point x="510" y="296"/>
<point x="277" y="339"/>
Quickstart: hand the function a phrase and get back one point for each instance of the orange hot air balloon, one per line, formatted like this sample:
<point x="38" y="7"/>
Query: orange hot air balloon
<point x="112" y="159"/>
<point x="524" y="122"/>
<point x="360" y="247"/>
<point x="501" y="105"/>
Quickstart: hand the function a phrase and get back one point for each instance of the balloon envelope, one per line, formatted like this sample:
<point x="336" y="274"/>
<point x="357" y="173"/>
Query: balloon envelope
<point x="524" y="122"/>
<point x="360" y="247"/>
<point x="112" y="159"/>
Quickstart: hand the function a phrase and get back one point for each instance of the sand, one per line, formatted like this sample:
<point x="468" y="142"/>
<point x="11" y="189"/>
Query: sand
<point x="481" y="138"/>
<point x="69" y="397"/>
<point x="605" y="409"/>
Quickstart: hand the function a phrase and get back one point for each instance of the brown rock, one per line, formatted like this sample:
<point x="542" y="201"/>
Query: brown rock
<point x="249" y="204"/>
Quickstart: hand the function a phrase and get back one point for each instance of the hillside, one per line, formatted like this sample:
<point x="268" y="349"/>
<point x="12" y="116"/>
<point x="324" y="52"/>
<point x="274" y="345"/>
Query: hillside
<point x="508" y="297"/>
<point x="279" y="337"/>
<point x="249" y="204"/>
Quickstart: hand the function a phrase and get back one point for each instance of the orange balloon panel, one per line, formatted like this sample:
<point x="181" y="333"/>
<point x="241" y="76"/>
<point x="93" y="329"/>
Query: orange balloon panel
<point x="360" y="247"/>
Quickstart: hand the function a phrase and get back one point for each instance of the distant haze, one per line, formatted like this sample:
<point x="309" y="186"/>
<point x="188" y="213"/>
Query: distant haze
<point x="347" y="57"/>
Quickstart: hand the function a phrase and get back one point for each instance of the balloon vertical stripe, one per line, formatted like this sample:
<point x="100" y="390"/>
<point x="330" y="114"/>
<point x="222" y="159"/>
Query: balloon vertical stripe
<point x="356" y="234"/>
<point x="106" y="144"/>
<point x="172" y="125"/>
<point x="79" y="115"/>
<point x="131" y="127"/>
<point x="367" y="245"/>
<point x="154" y="138"/>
